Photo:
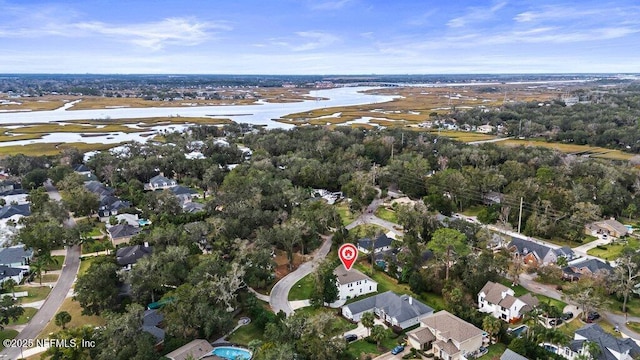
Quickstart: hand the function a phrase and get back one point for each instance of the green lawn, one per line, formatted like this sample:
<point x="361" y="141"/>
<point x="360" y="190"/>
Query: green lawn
<point x="357" y="348"/>
<point x="385" y="282"/>
<point x="85" y="263"/>
<point x="613" y="251"/>
<point x="570" y="327"/>
<point x="345" y="213"/>
<point x="25" y="317"/>
<point x="634" y="326"/>
<point x="36" y="293"/>
<point x="57" y="263"/>
<point x="473" y="210"/>
<point x="96" y="245"/>
<point x="245" y="334"/>
<point x="633" y="306"/>
<point x="302" y="290"/>
<point x="387" y="214"/>
<point x="495" y="351"/>
<point x="7" y="334"/>
<point x="557" y="303"/>
<point x="361" y="231"/>
<point x="49" y="278"/>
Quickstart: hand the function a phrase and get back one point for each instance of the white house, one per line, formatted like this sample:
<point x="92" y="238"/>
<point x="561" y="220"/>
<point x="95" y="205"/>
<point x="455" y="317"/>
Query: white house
<point x="7" y="273"/>
<point x="160" y="182"/>
<point x="380" y="244"/>
<point x="450" y="337"/>
<point x="485" y="129"/>
<point x="500" y="301"/>
<point x="16" y="257"/>
<point x="353" y="283"/>
<point x="395" y="310"/>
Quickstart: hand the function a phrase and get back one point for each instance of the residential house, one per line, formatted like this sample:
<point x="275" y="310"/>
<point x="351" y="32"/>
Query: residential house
<point x="611" y="347"/>
<point x="511" y="355"/>
<point x="98" y="188"/>
<point x="15" y="196"/>
<point x="12" y="210"/>
<point x="160" y="182"/>
<point x="152" y="323"/>
<point x="535" y="254"/>
<point x="485" y="129"/>
<point x="183" y="193"/>
<point x="195" y="349"/>
<point x="129" y="255"/>
<point x="450" y="337"/>
<point x="610" y="227"/>
<point x="492" y="198"/>
<point x="353" y="283"/>
<point x="396" y="310"/>
<point x="122" y="233"/>
<point x="16" y="257"/>
<point x="7" y="273"/>
<point x="381" y="243"/>
<point x="7" y="185"/>
<point x="582" y="267"/>
<point x="501" y="302"/>
<point x="110" y="205"/>
<point x="10" y="216"/>
<point x="131" y="219"/>
<point x="192" y="207"/>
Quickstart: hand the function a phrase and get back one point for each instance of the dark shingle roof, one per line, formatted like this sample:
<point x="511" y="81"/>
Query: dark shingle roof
<point x="81" y="168"/>
<point x="150" y="322"/>
<point x="381" y="241"/>
<point x="15" y="254"/>
<point x="192" y="207"/>
<point x="606" y="342"/>
<point x="6" y="272"/>
<point x="182" y="190"/>
<point x="11" y="210"/>
<point x="594" y="266"/>
<point x="129" y="255"/>
<point x="99" y="188"/>
<point x="396" y="306"/>
<point x="122" y="230"/>
<point x="525" y="247"/>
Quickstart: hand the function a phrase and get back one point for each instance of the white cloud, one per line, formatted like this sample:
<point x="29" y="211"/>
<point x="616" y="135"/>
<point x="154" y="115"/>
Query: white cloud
<point x="151" y="35"/>
<point x="315" y="40"/>
<point x="476" y="14"/>
<point x="330" y="5"/>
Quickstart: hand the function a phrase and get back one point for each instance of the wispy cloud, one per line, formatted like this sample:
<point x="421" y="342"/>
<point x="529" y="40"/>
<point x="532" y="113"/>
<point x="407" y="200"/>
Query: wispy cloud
<point x="330" y="5"/>
<point x="315" y="40"/>
<point x="151" y="35"/>
<point x="476" y="14"/>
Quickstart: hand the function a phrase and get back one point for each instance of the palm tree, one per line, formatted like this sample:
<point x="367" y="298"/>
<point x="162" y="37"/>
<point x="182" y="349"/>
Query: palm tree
<point x="492" y="326"/>
<point x="367" y="321"/>
<point x="37" y="267"/>
<point x="10" y="285"/>
<point x="378" y="333"/>
<point x="62" y="319"/>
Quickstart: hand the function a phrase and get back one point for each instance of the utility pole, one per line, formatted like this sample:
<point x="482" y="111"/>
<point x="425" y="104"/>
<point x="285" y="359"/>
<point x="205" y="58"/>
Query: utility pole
<point x="520" y="216"/>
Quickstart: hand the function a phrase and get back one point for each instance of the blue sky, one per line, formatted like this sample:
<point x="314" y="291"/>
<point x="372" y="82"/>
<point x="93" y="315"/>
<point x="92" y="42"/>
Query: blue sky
<point x="319" y="37"/>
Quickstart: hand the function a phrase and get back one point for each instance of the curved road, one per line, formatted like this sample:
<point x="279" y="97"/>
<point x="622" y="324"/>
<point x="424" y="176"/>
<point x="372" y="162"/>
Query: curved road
<point x="279" y="296"/>
<point x="59" y="292"/>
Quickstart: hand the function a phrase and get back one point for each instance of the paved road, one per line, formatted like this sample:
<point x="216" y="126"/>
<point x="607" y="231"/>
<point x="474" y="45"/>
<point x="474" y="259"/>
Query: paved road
<point x="52" y="303"/>
<point x="279" y="297"/>
<point x="489" y="141"/>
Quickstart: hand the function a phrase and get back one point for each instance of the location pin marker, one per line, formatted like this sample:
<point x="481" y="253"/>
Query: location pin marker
<point x="348" y="254"/>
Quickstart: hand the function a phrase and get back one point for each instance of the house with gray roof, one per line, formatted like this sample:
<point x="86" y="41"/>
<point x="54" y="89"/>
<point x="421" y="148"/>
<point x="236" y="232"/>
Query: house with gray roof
<point x="196" y="349"/>
<point x="583" y="267"/>
<point x="128" y="256"/>
<point x="511" y="355"/>
<point x="535" y="254"/>
<point x="160" y="182"/>
<point x="501" y="302"/>
<point x="381" y="243"/>
<point x="98" y="188"/>
<point x="450" y="337"/>
<point x="7" y="273"/>
<point x="16" y="257"/>
<point x="353" y="283"/>
<point x="152" y="324"/>
<point x="9" y="211"/>
<point x="610" y="227"/>
<point x="396" y="310"/>
<point x="122" y="233"/>
<point x="611" y="347"/>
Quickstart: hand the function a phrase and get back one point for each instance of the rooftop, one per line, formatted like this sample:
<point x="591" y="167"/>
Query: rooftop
<point x="346" y="277"/>
<point x="450" y="326"/>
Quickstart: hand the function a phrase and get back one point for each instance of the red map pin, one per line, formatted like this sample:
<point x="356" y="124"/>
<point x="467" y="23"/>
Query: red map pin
<point x="348" y="254"/>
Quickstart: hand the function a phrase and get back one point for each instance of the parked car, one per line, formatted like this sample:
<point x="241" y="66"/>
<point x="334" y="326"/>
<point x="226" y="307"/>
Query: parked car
<point x="397" y="350"/>
<point x="351" y="337"/>
<point x="593" y="316"/>
<point x="566" y="316"/>
<point x="554" y="322"/>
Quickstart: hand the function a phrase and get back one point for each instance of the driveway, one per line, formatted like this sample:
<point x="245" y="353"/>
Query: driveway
<point x="280" y="293"/>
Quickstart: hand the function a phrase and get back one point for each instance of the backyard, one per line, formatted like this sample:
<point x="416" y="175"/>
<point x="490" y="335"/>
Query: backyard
<point x="361" y="347"/>
<point x="613" y="251"/>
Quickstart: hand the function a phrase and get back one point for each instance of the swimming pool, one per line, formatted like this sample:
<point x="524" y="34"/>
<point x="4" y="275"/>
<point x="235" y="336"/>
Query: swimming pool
<point x="232" y="353"/>
<point x="517" y="332"/>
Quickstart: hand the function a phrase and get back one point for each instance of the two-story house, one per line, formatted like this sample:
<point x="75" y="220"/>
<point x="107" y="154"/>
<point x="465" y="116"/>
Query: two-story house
<point x="500" y="301"/>
<point x="128" y="256"/>
<point x="353" y="283"/>
<point x="450" y="337"/>
<point x="379" y="244"/>
<point x="534" y="254"/>
<point x="160" y="182"/>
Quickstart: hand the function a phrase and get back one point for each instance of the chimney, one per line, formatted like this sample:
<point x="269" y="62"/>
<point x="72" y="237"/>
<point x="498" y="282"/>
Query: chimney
<point x="146" y="244"/>
<point x="410" y="300"/>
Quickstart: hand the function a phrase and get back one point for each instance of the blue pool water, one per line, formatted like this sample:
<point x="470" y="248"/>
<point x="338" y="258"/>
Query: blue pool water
<point x="232" y="353"/>
<point x="143" y="222"/>
<point x="517" y="332"/>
